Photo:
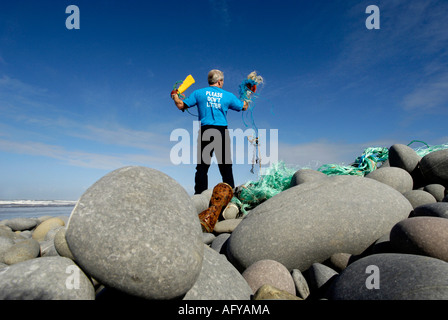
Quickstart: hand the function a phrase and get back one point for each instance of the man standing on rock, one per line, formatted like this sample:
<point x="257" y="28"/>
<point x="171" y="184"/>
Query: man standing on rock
<point x="213" y="103"/>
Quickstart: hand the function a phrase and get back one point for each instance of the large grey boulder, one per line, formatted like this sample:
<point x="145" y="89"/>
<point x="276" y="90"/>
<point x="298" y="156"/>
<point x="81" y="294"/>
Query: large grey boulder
<point x="395" y="177"/>
<point x="310" y="222"/>
<point x="392" y="276"/>
<point x="421" y="235"/>
<point x="434" y="167"/>
<point x="404" y="157"/>
<point x="438" y="209"/>
<point x="48" y="278"/>
<point x="137" y="230"/>
<point x="306" y="175"/>
<point x="219" y="280"/>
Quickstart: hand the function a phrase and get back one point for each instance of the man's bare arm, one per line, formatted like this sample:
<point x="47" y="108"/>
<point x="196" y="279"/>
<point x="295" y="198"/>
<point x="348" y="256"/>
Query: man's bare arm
<point x="178" y="102"/>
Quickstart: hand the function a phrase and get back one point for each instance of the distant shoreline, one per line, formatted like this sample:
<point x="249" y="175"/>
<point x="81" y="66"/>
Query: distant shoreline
<point x="36" y="203"/>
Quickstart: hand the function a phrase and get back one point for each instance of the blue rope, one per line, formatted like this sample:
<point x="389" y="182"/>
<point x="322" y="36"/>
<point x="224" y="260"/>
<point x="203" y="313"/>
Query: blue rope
<point x="247" y="95"/>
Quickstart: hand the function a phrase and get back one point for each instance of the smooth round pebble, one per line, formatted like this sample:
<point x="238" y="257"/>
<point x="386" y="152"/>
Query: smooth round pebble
<point x="306" y="175"/>
<point x="218" y="280"/>
<point x="268" y="292"/>
<point x="60" y="243"/>
<point x="269" y="272"/>
<point x="302" y="288"/>
<point x="434" y="167"/>
<point x="226" y="226"/>
<point x="21" y="224"/>
<point x="419" y="197"/>
<point x="395" y="177"/>
<point x="42" y="229"/>
<point x="439" y="209"/>
<point x="22" y="251"/>
<point x="392" y="276"/>
<point x="404" y="157"/>
<point x="421" y="235"/>
<point x="437" y="190"/>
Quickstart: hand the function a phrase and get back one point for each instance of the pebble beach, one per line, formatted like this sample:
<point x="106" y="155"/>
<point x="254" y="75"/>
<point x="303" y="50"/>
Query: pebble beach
<point x="135" y="234"/>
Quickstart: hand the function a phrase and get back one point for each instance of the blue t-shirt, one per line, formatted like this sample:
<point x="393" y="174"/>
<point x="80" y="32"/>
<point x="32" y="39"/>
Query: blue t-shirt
<point x="213" y="103"/>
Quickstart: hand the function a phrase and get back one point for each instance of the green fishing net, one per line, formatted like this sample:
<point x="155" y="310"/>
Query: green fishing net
<point x="366" y="163"/>
<point x="276" y="179"/>
<point x="423" y="151"/>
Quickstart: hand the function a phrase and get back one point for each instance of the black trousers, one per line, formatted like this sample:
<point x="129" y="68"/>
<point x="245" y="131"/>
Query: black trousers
<point x="213" y="139"/>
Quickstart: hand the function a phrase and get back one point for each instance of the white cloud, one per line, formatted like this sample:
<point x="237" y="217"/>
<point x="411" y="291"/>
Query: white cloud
<point x="431" y="95"/>
<point x="81" y="158"/>
<point x="16" y="94"/>
<point x="120" y="136"/>
<point x="50" y="134"/>
<point x="19" y="88"/>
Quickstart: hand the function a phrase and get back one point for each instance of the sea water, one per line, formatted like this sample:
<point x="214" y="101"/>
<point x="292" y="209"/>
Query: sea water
<point x="34" y="208"/>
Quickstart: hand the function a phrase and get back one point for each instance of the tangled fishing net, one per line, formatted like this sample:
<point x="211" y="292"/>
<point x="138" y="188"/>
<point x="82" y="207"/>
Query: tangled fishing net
<point x="248" y="93"/>
<point x="372" y="158"/>
<point x="423" y="151"/>
<point x="364" y="164"/>
<point x="248" y="88"/>
<point x="277" y="177"/>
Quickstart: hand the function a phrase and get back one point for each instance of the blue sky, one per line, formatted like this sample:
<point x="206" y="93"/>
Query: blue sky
<point x="77" y="104"/>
